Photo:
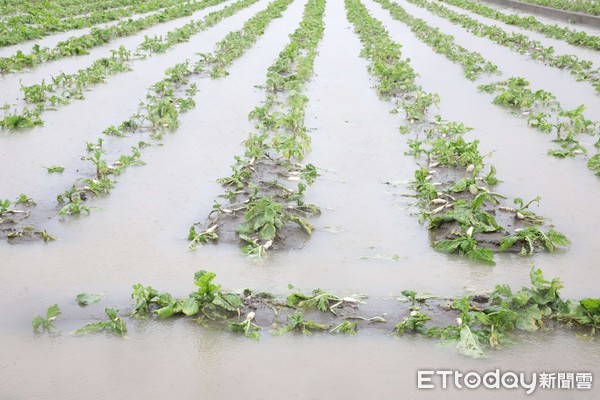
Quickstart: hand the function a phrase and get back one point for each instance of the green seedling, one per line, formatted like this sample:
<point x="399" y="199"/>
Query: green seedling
<point x="30" y="231"/>
<point x="46" y="323"/>
<point x="92" y="147"/>
<point x="55" y="169"/>
<point x="75" y="207"/>
<point x="143" y="297"/>
<point x="206" y="236"/>
<point x="594" y="164"/>
<point x="466" y="245"/>
<point x="490" y="178"/>
<point x="320" y="300"/>
<point x="5" y="206"/>
<point x="309" y="173"/>
<point x="247" y="327"/>
<point x="22" y="199"/>
<point x="84" y="299"/>
<point x="414" y="322"/>
<point x="98" y="186"/>
<point x="213" y="303"/>
<point x="114" y="324"/>
<point x="297" y="322"/>
<point x="346" y="327"/>
<point x="469" y="214"/>
<point x="531" y="238"/>
<point x="523" y="214"/>
<point x="456" y="152"/>
<point x="102" y="168"/>
<point x="415" y="300"/>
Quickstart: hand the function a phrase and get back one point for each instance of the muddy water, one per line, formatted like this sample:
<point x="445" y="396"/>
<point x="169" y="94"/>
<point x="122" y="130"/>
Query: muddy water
<point x="137" y="236"/>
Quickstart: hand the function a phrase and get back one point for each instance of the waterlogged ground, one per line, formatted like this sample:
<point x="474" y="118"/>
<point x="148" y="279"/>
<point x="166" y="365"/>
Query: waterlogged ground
<point x="366" y="240"/>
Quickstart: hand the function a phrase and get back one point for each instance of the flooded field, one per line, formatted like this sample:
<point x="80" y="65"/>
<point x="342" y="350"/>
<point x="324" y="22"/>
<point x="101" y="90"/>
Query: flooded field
<point x="369" y="242"/>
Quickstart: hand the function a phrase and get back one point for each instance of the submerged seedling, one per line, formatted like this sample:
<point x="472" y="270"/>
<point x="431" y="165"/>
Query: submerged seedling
<point x="414" y="322"/>
<point x="25" y="200"/>
<point x="206" y="236"/>
<point x="84" y="299"/>
<point x="297" y="322"/>
<point x="55" y="169"/>
<point x="114" y="324"/>
<point x="346" y="327"/>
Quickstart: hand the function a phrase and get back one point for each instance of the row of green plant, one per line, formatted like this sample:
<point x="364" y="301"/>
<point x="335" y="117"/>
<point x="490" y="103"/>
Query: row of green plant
<point x="584" y="6"/>
<point x="546" y="114"/>
<point x="161" y="110"/>
<point x="571" y="36"/>
<point x="16" y="14"/>
<point x="48" y="24"/>
<point x="490" y="321"/>
<point x="583" y="70"/>
<point x="549" y="116"/>
<point x="484" y="322"/>
<point x="66" y="87"/>
<point x="472" y="63"/>
<point x="268" y="205"/>
<point x="80" y="45"/>
<point x="461" y="206"/>
<point x="30" y="14"/>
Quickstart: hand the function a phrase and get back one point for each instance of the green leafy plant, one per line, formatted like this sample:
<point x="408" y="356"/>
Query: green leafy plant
<point x="466" y="245"/>
<point x="247" y="327"/>
<point x="346" y="327"/>
<point x="114" y="324"/>
<point x="22" y="199"/>
<point x="297" y="322"/>
<point x="84" y="299"/>
<point x="46" y="323"/>
<point x="531" y="238"/>
<point x="594" y="164"/>
<point x="55" y="168"/>
<point x="320" y="300"/>
<point x="213" y="303"/>
<point x="414" y="322"/>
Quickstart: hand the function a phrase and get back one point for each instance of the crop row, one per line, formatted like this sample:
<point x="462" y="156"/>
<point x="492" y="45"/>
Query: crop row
<point x="473" y="63"/>
<point x="584" y="6"/>
<point x="547" y="115"/>
<point x="34" y="12"/>
<point x="160" y="112"/>
<point x="80" y="45"/>
<point x="10" y="35"/>
<point x="66" y="87"/>
<point x="583" y="70"/>
<point x="473" y="324"/>
<point x="571" y="36"/>
<point x="544" y="110"/>
<point x="454" y="196"/>
<point x="261" y="205"/>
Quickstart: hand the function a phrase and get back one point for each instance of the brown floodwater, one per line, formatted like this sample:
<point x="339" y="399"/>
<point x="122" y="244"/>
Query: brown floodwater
<point x="137" y="233"/>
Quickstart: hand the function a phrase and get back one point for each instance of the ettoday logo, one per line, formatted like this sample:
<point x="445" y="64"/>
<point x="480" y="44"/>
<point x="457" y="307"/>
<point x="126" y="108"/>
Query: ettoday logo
<point x="497" y="379"/>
